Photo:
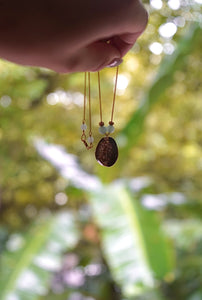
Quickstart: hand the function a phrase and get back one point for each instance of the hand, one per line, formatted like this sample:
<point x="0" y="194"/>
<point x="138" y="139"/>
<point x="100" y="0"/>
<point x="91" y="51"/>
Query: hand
<point x="69" y="36"/>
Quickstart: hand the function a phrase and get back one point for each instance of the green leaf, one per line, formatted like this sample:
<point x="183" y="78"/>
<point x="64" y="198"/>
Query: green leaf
<point x="30" y="259"/>
<point x="136" y="248"/>
<point x="164" y="79"/>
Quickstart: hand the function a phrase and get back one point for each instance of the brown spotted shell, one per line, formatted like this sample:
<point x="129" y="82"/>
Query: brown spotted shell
<point x="106" y="152"/>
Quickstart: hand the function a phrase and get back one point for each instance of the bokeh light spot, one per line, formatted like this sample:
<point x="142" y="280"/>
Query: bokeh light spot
<point x="156" y="48"/>
<point x="61" y="198"/>
<point x="122" y="84"/>
<point x="168" y="48"/>
<point x="157" y="4"/>
<point x="5" y="101"/>
<point x="180" y="21"/>
<point x="174" y="4"/>
<point x="167" y="30"/>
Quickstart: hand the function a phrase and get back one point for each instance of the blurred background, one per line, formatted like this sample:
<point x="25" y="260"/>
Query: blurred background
<point x="71" y="229"/>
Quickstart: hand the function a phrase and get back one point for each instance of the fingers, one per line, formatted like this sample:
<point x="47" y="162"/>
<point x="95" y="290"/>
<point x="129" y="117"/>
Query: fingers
<point x="124" y="42"/>
<point x="136" y="23"/>
<point x="122" y="30"/>
<point x="91" y="58"/>
<point x="137" y="18"/>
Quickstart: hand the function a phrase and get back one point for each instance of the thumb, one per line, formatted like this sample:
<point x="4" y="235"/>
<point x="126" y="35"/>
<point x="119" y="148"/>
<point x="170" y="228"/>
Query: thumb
<point x="92" y="58"/>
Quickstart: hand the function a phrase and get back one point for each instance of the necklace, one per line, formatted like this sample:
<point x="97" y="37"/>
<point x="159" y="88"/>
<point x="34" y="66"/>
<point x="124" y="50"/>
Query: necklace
<point x="106" y="151"/>
<point x="89" y="144"/>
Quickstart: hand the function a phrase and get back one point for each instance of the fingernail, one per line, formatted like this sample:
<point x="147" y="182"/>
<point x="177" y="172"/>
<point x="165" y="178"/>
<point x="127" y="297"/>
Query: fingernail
<point x="115" y="63"/>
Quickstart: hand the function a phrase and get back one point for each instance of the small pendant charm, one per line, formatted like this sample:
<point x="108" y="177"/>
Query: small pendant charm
<point x="106" y="152"/>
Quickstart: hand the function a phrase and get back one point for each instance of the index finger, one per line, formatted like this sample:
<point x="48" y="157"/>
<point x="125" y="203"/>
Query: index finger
<point x="124" y="42"/>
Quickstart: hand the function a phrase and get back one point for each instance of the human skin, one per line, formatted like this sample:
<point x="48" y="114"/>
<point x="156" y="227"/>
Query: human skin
<point x="69" y="35"/>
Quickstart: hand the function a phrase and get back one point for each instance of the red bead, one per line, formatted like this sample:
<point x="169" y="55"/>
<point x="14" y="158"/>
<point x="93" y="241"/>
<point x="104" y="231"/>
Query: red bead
<point x="101" y="124"/>
<point x="111" y="123"/>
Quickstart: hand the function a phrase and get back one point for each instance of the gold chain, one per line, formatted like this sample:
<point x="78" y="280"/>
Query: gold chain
<point x="111" y="123"/>
<point x="100" y="100"/>
<point x="110" y="128"/>
<point x="114" y="97"/>
<point x="84" y="127"/>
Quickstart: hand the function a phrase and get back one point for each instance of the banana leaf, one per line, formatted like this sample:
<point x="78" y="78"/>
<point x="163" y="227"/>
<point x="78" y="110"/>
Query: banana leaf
<point x="27" y="264"/>
<point x="135" y="246"/>
<point x="164" y="79"/>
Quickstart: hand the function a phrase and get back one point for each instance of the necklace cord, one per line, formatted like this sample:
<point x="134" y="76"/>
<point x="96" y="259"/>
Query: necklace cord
<point x="100" y="99"/>
<point x="83" y="136"/>
<point x="89" y="103"/>
<point x="114" y="97"/>
<point x="84" y="100"/>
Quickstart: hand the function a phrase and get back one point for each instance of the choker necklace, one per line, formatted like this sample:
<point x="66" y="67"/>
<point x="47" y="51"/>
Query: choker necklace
<point x="106" y="151"/>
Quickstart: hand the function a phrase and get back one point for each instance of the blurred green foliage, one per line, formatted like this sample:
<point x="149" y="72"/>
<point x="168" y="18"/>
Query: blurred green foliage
<point x="138" y="237"/>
